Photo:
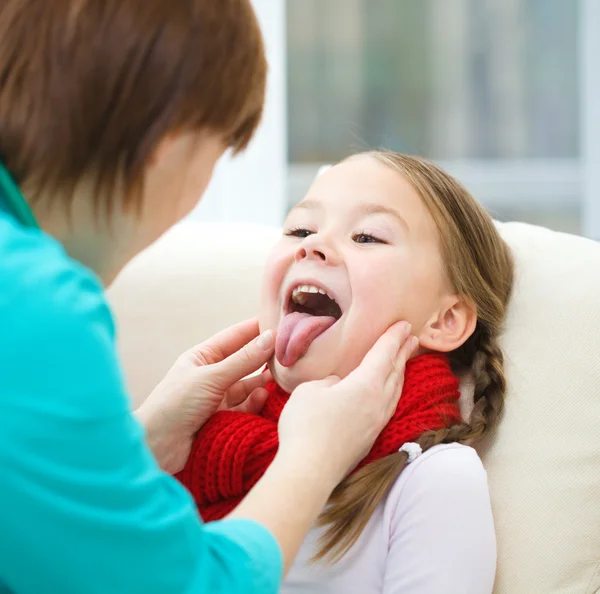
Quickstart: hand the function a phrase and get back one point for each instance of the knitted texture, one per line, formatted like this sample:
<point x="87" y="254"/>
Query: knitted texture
<point x="233" y="449"/>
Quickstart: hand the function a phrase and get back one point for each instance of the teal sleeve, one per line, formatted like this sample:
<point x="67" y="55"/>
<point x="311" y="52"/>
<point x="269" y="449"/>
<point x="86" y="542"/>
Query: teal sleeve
<point x="83" y="506"/>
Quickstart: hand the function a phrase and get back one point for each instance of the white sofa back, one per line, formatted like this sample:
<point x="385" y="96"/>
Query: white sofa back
<point x="543" y="462"/>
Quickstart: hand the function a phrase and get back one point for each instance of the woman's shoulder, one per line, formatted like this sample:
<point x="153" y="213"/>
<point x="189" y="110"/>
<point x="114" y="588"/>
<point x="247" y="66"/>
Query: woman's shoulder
<point x="56" y="326"/>
<point x="448" y="473"/>
<point x="41" y="285"/>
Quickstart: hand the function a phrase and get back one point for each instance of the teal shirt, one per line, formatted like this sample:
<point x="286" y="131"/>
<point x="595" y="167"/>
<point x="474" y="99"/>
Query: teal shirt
<point x="84" y="507"/>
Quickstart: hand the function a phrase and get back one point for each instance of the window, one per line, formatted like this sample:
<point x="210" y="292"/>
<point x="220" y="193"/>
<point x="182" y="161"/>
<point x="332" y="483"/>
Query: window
<point x="491" y="89"/>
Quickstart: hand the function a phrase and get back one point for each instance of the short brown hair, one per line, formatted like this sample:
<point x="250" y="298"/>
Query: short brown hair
<point x="88" y="88"/>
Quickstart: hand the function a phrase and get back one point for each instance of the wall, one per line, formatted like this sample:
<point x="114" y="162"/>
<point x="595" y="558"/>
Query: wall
<point x="252" y="187"/>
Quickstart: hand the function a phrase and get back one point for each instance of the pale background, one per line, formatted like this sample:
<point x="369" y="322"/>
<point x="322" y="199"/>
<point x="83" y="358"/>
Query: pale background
<point x="503" y="93"/>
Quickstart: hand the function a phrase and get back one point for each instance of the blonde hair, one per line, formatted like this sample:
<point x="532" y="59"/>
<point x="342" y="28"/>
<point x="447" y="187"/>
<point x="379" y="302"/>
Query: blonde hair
<point x="480" y="268"/>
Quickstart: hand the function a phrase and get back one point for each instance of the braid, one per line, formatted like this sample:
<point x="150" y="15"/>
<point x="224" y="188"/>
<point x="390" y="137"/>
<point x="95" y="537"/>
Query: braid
<point x="487" y="370"/>
<point x="490" y="386"/>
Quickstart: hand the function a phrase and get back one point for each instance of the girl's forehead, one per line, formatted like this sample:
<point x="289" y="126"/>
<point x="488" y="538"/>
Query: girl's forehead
<point x="361" y="186"/>
<point x="358" y="176"/>
<point x="361" y="181"/>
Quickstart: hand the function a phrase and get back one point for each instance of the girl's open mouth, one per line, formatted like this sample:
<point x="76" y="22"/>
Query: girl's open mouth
<point x="309" y="312"/>
<point x="314" y="301"/>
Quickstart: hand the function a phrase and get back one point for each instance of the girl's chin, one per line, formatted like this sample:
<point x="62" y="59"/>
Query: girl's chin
<point x="289" y="378"/>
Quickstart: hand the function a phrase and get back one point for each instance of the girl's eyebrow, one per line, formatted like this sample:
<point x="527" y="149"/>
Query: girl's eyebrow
<point x="371" y="208"/>
<point x="308" y="205"/>
<point x="363" y="209"/>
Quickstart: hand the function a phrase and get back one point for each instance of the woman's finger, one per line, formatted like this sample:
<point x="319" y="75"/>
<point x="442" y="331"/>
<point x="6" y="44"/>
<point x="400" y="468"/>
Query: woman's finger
<point x="395" y="380"/>
<point x="330" y="380"/>
<point x="383" y="358"/>
<point x="241" y="390"/>
<point x="243" y="362"/>
<point x="254" y="403"/>
<point x="225" y="343"/>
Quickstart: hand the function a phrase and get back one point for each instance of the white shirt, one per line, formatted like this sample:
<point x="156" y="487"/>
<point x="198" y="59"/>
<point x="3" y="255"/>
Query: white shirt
<point x="433" y="534"/>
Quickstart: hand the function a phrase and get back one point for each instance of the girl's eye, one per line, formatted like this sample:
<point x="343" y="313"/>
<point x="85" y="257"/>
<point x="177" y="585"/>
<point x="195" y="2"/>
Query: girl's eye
<point x="298" y="232"/>
<point x="366" y="238"/>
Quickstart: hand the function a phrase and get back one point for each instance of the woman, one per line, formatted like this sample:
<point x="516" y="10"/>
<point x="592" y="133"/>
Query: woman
<point x="112" y="116"/>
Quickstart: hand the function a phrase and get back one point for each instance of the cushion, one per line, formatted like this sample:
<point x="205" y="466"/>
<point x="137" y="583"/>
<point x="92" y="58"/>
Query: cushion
<point x="196" y="280"/>
<point x="543" y="462"/>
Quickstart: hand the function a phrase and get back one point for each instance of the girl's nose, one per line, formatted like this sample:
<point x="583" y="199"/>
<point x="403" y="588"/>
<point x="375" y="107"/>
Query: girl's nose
<point x="313" y="248"/>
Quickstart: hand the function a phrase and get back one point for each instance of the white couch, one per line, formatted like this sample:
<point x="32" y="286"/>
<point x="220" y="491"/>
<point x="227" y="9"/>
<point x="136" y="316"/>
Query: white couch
<point x="543" y="462"/>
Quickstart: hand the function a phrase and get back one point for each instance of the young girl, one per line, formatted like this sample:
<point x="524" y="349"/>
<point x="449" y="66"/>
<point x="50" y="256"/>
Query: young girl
<point x="382" y="237"/>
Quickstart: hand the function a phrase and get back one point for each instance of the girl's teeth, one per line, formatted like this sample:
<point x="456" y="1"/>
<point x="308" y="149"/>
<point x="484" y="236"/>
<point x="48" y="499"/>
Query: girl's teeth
<point x="303" y="290"/>
<point x="299" y="297"/>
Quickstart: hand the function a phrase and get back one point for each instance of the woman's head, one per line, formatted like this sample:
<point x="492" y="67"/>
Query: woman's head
<point x="388" y="237"/>
<point x="128" y="103"/>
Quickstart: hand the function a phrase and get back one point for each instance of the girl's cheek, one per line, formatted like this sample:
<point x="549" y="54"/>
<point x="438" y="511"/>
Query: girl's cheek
<point x="276" y="269"/>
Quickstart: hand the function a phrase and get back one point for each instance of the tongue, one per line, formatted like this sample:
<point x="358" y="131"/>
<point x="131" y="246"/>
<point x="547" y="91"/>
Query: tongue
<point x="296" y="333"/>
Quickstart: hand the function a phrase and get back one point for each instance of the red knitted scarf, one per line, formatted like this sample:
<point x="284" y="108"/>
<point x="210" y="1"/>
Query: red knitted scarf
<point x="233" y="450"/>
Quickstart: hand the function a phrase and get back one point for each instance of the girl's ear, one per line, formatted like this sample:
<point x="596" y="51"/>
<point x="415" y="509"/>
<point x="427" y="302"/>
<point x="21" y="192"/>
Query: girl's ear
<point x="450" y="327"/>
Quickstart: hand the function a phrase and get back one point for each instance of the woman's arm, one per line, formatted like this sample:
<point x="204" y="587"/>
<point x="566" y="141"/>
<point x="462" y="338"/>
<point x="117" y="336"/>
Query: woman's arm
<point x="325" y="429"/>
<point x="84" y="506"/>
<point x="83" y="501"/>
<point x="441" y="527"/>
<point x="287" y="500"/>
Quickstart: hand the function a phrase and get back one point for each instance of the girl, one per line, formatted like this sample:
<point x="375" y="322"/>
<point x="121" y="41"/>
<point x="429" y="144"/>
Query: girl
<point x="382" y="237"/>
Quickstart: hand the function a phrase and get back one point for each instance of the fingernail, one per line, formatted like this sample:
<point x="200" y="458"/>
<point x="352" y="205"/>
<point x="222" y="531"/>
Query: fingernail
<point x="265" y="340"/>
<point x="414" y="343"/>
<point x="406" y="327"/>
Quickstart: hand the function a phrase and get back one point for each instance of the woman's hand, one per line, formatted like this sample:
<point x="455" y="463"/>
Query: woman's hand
<point x="203" y="380"/>
<point x="332" y="424"/>
<point x="325" y="429"/>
